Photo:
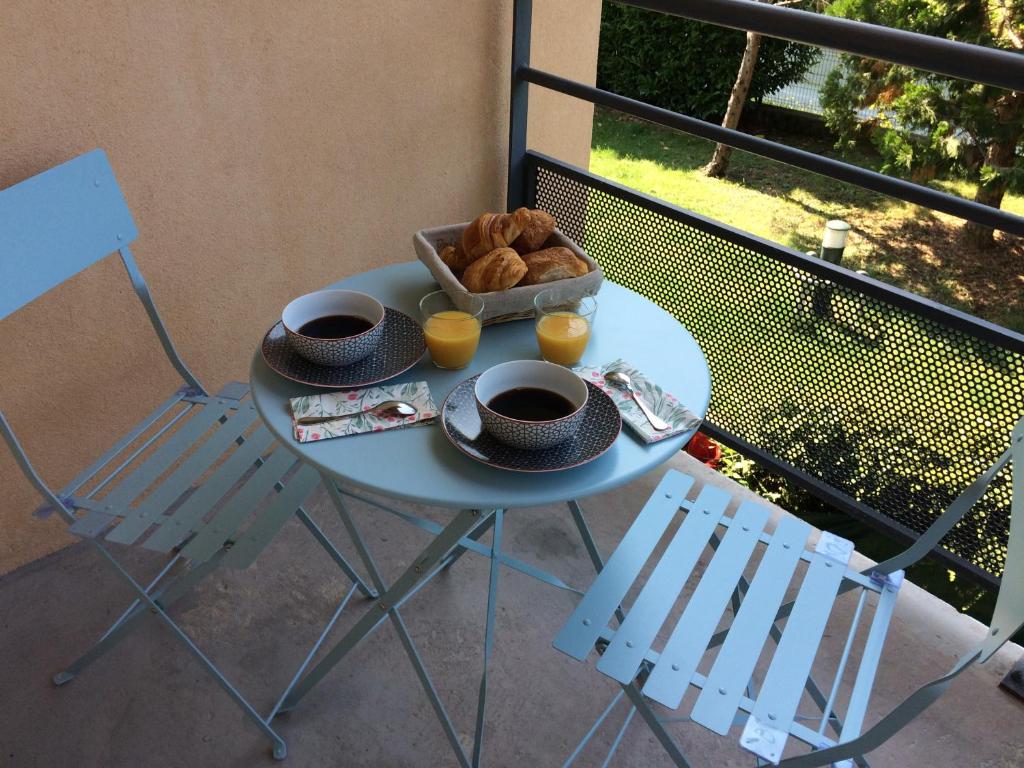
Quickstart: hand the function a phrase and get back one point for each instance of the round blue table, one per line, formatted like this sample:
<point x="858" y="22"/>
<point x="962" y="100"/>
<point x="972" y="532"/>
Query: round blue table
<point x="419" y="464"/>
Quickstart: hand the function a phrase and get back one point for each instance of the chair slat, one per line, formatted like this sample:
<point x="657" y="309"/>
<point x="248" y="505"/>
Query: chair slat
<point x="211" y="537"/>
<point x="689" y="639"/>
<point x="189" y="515"/>
<point x="86" y="474"/>
<point x="163" y="457"/>
<point x="622" y="659"/>
<point x="92" y="523"/>
<point x="767" y="730"/>
<point x="870" y="657"/>
<point x="138" y="520"/>
<point x="264" y="528"/>
<point x="719" y="699"/>
<point x="605" y="594"/>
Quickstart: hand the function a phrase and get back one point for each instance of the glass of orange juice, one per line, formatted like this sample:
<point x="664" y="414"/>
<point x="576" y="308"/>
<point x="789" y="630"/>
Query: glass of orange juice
<point x="564" y="320"/>
<point x="452" y="333"/>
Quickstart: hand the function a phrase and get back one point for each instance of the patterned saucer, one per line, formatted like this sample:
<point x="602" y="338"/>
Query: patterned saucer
<point x="461" y="423"/>
<point x="400" y="348"/>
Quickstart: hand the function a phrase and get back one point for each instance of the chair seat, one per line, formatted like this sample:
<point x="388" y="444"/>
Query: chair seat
<point x="191" y="475"/>
<point x="756" y="592"/>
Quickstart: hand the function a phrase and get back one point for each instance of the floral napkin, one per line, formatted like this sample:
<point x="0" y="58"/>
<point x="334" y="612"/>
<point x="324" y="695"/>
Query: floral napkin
<point x="662" y="403"/>
<point x="416" y="393"/>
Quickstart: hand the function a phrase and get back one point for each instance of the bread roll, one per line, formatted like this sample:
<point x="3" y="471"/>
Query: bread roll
<point x="487" y="232"/>
<point x="453" y="258"/>
<point x="552" y="264"/>
<point x="541" y="225"/>
<point x="500" y="269"/>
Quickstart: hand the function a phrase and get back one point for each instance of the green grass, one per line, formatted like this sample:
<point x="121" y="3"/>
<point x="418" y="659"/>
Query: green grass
<point x="899" y="243"/>
<point x="903" y="411"/>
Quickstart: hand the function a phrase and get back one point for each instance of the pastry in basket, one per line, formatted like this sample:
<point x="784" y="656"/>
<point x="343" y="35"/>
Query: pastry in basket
<point x="536" y="233"/>
<point x="500" y="269"/>
<point x="552" y="264"/>
<point x="488" y="232"/>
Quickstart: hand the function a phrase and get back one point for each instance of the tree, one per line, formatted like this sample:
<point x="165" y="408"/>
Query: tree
<point x="738" y="96"/>
<point x="927" y="123"/>
<point x="684" y="65"/>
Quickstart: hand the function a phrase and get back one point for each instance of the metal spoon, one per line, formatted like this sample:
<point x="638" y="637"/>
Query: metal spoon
<point x="622" y="381"/>
<point x="387" y="408"/>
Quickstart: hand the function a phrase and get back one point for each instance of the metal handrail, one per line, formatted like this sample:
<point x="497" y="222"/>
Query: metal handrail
<point x="976" y="63"/>
<point x="835" y="169"/>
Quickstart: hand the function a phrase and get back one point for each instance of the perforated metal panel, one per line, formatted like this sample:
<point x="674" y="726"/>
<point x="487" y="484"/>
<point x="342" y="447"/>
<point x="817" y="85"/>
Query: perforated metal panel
<point x="894" y="411"/>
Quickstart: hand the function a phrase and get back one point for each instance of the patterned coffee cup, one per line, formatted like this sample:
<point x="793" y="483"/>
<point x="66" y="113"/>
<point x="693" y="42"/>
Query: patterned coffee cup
<point x="534" y="374"/>
<point x="333" y="352"/>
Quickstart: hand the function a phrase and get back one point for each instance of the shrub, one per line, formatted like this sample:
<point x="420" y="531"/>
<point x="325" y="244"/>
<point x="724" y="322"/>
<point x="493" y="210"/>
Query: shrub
<point x="684" y="65"/>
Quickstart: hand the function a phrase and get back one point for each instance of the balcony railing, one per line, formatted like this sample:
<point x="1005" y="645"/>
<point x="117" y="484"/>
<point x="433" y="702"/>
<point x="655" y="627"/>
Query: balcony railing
<point x="881" y="402"/>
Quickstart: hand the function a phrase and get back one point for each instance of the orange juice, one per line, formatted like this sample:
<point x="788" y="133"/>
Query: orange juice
<point x="452" y="338"/>
<point x="562" y="337"/>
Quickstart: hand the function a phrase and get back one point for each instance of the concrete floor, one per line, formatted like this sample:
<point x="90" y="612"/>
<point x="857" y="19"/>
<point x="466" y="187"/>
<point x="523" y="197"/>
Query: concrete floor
<point x="148" y="703"/>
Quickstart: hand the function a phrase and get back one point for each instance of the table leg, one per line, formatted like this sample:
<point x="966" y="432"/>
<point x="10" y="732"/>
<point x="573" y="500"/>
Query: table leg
<point x="424" y="567"/>
<point x="460" y="550"/>
<point x="584" y="529"/>
<point x="450" y="543"/>
<point x="492" y="602"/>
<point x="468" y="544"/>
<point x="662" y="735"/>
<point x="590" y="544"/>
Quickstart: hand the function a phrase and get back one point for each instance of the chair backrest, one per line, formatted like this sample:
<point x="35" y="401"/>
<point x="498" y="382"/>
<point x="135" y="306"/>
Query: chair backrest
<point x="58" y="223"/>
<point x="1007" y="620"/>
<point x="1008" y="617"/>
<point x="61" y="221"/>
<point x="54" y="225"/>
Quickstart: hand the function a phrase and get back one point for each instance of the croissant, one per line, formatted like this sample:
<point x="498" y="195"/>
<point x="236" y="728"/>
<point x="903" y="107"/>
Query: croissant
<point x="490" y="231"/>
<point x="454" y="258"/>
<point x="552" y="264"/>
<point x="536" y="233"/>
<point x="500" y="269"/>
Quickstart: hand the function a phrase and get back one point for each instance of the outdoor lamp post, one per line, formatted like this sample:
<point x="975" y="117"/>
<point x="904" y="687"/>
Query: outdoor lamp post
<point x="833" y="242"/>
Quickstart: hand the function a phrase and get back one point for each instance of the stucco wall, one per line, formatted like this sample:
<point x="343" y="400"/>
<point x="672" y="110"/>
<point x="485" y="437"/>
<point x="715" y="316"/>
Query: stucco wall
<point x="265" y="149"/>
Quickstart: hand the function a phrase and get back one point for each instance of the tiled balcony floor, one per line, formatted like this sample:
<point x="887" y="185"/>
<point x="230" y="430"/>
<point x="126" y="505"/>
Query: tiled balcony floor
<point x="147" y="703"/>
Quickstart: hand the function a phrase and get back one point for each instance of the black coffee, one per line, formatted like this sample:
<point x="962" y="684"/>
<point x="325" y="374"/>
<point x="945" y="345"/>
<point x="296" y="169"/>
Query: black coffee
<point x="531" y="404"/>
<point x="335" y="327"/>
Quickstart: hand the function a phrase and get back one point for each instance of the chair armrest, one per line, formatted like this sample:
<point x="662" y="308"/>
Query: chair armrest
<point x="952" y="515"/>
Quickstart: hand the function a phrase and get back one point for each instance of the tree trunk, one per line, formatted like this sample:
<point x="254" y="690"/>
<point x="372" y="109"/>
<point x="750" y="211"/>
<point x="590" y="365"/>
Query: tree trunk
<point x="720" y="162"/>
<point x="999" y="155"/>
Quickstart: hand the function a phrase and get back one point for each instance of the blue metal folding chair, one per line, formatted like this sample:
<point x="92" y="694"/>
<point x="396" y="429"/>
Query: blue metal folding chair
<point x="200" y="478"/>
<point x="728" y="695"/>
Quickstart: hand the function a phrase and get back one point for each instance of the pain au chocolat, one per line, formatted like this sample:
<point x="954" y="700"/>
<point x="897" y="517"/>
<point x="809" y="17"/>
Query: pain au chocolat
<point x="500" y="269"/>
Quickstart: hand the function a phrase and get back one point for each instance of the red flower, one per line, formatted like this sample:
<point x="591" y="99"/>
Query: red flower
<point x="704" y="449"/>
<point x="378" y="428"/>
<point x="315" y="435"/>
<point x="352" y="395"/>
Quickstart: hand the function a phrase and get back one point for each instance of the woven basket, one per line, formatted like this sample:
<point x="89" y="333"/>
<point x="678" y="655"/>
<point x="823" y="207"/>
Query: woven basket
<point x="499" y="306"/>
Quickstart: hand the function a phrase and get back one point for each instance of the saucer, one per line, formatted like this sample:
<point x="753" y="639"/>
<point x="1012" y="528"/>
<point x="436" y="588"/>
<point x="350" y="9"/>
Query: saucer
<point x="460" y="421"/>
<point x="400" y="348"/>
